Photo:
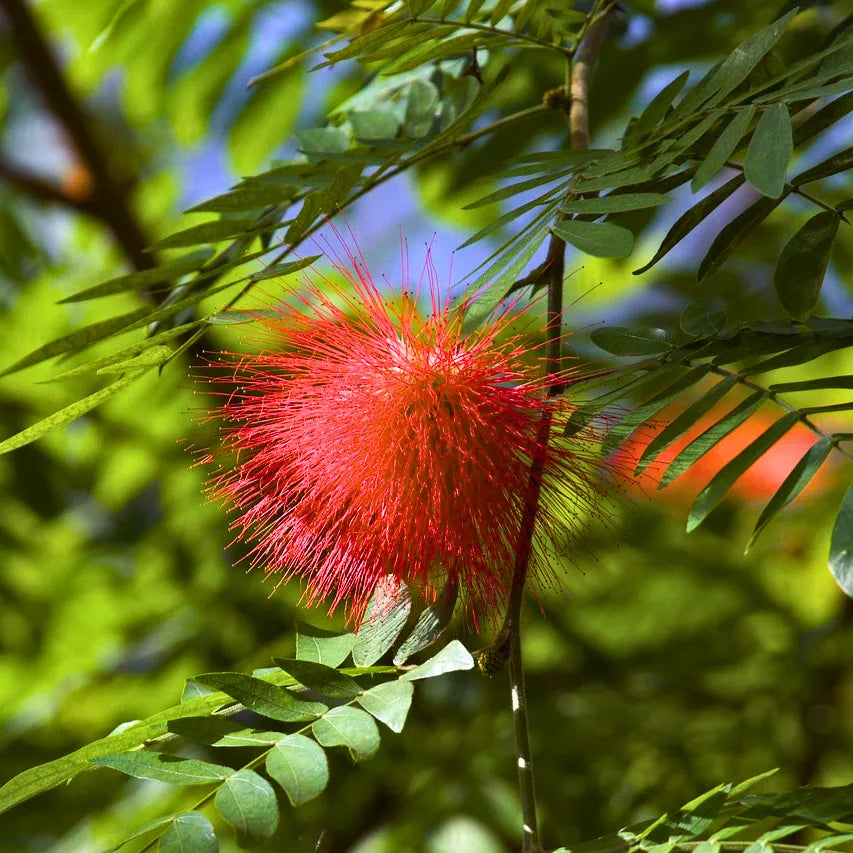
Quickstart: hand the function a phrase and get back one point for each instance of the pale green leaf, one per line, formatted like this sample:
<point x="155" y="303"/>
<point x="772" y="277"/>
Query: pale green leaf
<point x="299" y="765"/>
<point x="248" y="802"/>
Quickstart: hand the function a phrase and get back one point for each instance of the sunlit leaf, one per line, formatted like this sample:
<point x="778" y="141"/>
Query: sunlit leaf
<point x="454" y="656"/>
<point x="841" y="545"/>
<point x="189" y="833"/>
<point x="262" y="696"/>
<point x="299" y="765"/>
<point x="164" y="768"/>
<point x="248" y="802"/>
<point x="389" y="703"/>
<point x="321" y="646"/>
<point x="349" y="727"/>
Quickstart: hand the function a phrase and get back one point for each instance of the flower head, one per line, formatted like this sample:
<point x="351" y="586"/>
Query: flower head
<point x="369" y="439"/>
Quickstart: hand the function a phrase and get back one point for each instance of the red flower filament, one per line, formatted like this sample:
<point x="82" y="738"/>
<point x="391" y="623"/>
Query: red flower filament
<point x="371" y="440"/>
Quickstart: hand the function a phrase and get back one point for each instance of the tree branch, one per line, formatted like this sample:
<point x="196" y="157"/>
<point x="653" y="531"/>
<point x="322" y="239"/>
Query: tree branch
<point x="108" y="201"/>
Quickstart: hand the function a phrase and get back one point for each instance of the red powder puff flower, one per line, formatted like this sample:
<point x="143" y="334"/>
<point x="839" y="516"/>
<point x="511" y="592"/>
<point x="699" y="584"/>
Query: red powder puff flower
<point x="370" y="440"/>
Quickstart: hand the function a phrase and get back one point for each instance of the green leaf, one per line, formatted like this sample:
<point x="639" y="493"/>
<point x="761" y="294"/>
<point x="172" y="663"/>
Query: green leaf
<point x="660" y="103"/>
<point x="813" y="384"/>
<point x="738" y="65"/>
<point x="652" y="408"/>
<point x="218" y="731"/>
<point x="190" y="832"/>
<point x="264" y="698"/>
<point x="769" y="152"/>
<point x="389" y="703"/>
<point x="839" y="162"/>
<point x="144" y="278"/>
<point x="164" y="768"/>
<point x="691" y="218"/>
<point x="349" y="727"/>
<point x="247" y="801"/>
<point x="68" y="414"/>
<point x="384" y="618"/>
<point x="704" y="316"/>
<point x="841" y="545"/>
<point x="430" y="623"/>
<point x="422" y="101"/>
<point x="614" y="203"/>
<point x="618" y="340"/>
<point x="321" y="646"/>
<point x="683" y="422"/>
<point x="725" y="478"/>
<point x="322" y="140"/>
<point x="727" y="143"/>
<point x="320" y="678"/>
<point x="454" y="656"/>
<point x="206" y="232"/>
<point x="251" y="196"/>
<point x="793" y="484"/>
<point x="283" y="269"/>
<point x="711" y="436"/>
<point x="373" y="124"/>
<point x="734" y="234"/>
<point x="299" y="765"/>
<point x="601" y="239"/>
<point x="802" y="264"/>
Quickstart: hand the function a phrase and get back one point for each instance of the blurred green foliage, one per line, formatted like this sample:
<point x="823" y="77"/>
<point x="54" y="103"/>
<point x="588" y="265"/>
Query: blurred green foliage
<point x="666" y="664"/>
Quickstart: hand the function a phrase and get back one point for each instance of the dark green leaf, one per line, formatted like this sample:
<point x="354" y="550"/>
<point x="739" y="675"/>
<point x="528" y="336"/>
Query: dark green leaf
<point x="796" y="355"/>
<point x="247" y="801"/>
<point x="144" y="278"/>
<point x="320" y="678"/>
<point x="658" y="106"/>
<point x="618" y="340"/>
<point x="813" y="384"/>
<point x="734" y="234"/>
<point x="385" y="617"/>
<point x="652" y="408"/>
<point x="164" y="768"/>
<point x="189" y="833"/>
<point x="802" y="264"/>
<point x="793" y="484"/>
<point x="769" y="152"/>
<point x="68" y="414"/>
<point x="218" y="731"/>
<point x="262" y="696"/>
<point x="615" y="203"/>
<point x="727" y="143"/>
<point x="683" y="422"/>
<point x="841" y="545"/>
<point x="349" y="727"/>
<point x="712" y="436"/>
<point x="321" y="646"/>
<point x="299" y="765"/>
<point x="840" y="162"/>
<point x="704" y="316"/>
<point x="725" y="478"/>
<point x="389" y="703"/>
<point x="691" y="218"/>
<point x="206" y="232"/>
<point x="814" y="805"/>
<point x="253" y="196"/>
<point x="282" y="269"/>
<point x="454" y="656"/>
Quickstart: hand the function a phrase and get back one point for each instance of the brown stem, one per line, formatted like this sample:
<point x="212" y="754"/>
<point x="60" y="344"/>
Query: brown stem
<point x="108" y="201"/>
<point x="577" y="85"/>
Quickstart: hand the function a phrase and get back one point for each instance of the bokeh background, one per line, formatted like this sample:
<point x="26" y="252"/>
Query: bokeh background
<point x="668" y="662"/>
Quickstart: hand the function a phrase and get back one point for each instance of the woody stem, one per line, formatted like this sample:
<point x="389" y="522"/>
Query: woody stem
<point x="577" y="85"/>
